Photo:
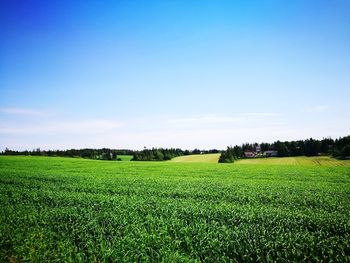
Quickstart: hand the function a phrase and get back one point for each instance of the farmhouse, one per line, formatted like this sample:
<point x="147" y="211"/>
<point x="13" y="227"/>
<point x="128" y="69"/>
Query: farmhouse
<point x="249" y="154"/>
<point x="258" y="149"/>
<point x="271" y="153"/>
<point x="258" y="153"/>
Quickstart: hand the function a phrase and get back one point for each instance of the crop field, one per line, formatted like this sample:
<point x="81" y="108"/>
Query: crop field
<point x="125" y="158"/>
<point x="77" y="210"/>
<point x="302" y="160"/>
<point x="197" y="158"/>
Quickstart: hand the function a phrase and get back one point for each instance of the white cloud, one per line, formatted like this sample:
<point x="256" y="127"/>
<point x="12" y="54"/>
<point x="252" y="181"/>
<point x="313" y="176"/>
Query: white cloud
<point x="68" y="127"/>
<point x="211" y="121"/>
<point x="22" y="111"/>
<point x="204" y="119"/>
<point x="188" y="132"/>
<point x="260" y="114"/>
<point x="318" y="109"/>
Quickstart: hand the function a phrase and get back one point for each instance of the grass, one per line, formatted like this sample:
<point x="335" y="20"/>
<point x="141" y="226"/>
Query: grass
<point x="300" y="160"/>
<point x="77" y="210"/>
<point x="197" y="158"/>
<point x="125" y="158"/>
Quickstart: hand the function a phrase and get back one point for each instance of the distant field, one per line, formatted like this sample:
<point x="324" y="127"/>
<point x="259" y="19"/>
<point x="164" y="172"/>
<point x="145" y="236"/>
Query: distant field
<point x="300" y="160"/>
<point x="197" y="158"/>
<point x="125" y="158"/>
<point x="78" y="210"/>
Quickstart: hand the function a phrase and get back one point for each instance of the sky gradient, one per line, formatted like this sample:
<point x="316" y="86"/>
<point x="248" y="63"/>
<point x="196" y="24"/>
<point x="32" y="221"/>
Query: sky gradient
<point x="189" y="74"/>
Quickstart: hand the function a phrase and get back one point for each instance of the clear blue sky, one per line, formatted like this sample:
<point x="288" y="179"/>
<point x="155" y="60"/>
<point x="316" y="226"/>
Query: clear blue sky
<point x="206" y="74"/>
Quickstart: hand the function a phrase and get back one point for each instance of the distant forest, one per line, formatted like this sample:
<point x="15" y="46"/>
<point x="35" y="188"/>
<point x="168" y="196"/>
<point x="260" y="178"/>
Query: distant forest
<point x="338" y="148"/>
<point x="154" y="154"/>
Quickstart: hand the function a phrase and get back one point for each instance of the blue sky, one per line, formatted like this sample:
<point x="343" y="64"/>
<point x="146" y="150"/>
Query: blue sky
<point x="205" y="74"/>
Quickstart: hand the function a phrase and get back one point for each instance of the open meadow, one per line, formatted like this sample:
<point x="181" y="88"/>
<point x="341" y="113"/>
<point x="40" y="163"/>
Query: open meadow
<point x="197" y="158"/>
<point x="300" y="161"/>
<point x="77" y="210"/>
<point x="124" y="158"/>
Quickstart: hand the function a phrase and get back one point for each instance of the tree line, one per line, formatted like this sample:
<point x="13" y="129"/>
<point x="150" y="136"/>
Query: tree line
<point x="98" y="154"/>
<point x="154" y="154"/>
<point x="161" y="154"/>
<point x="338" y="148"/>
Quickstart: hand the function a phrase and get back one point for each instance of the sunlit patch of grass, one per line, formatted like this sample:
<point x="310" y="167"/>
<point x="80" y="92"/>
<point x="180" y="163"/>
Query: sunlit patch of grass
<point x="300" y="160"/>
<point x="124" y="158"/>
<point x="197" y="158"/>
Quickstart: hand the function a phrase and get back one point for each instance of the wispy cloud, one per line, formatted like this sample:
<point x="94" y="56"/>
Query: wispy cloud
<point x="204" y="119"/>
<point x="207" y="130"/>
<point x="318" y="108"/>
<point x="213" y="121"/>
<point x="22" y="111"/>
<point x="196" y="131"/>
<point x="67" y="127"/>
<point x="260" y="114"/>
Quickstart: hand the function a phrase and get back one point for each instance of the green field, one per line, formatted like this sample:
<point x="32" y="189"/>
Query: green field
<point x="197" y="158"/>
<point x="125" y="158"/>
<point x="77" y="210"/>
<point x="302" y="160"/>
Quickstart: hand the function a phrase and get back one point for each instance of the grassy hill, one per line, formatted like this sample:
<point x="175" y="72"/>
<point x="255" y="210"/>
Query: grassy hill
<point x="197" y="158"/>
<point x="300" y="160"/>
<point x="125" y="158"/>
<point x="77" y="210"/>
